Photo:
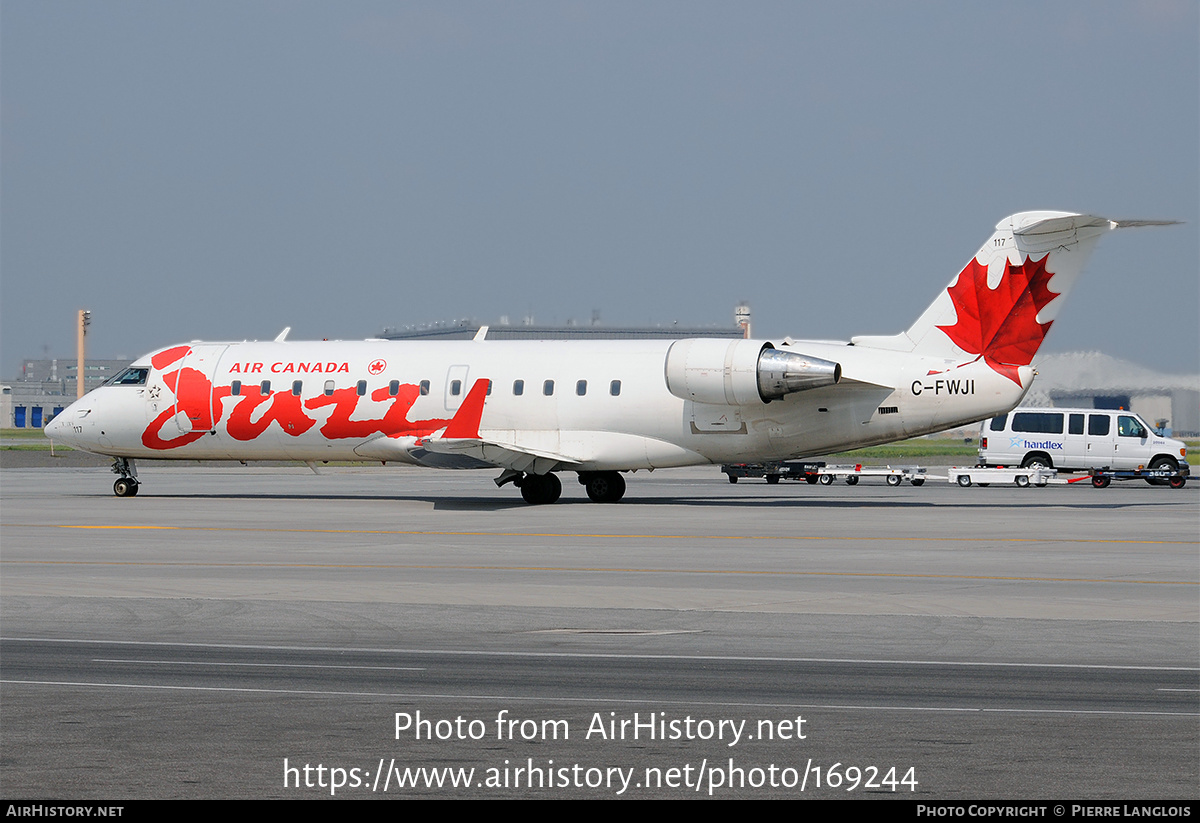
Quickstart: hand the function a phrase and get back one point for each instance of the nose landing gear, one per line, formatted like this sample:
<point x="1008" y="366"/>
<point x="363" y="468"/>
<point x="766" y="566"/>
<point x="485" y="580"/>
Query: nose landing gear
<point x="126" y="484"/>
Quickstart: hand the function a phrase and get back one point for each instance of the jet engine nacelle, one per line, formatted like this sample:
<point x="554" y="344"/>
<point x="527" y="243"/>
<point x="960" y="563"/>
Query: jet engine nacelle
<point x="742" y="372"/>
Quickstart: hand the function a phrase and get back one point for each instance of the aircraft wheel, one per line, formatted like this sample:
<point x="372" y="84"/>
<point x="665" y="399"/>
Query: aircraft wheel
<point x="964" y="480"/>
<point x="851" y="481"/>
<point x="918" y="481"/>
<point x="772" y="479"/>
<point x="541" y="488"/>
<point x="605" y="487"/>
<point x="732" y="478"/>
<point x="1101" y="482"/>
<point x="1021" y="480"/>
<point x="810" y="479"/>
<point x="894" y="479"/>
<point x="125" y="487"/>
<point x="827" y="480"/>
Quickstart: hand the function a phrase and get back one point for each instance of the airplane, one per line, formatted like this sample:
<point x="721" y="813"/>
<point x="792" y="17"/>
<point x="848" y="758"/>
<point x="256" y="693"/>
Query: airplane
<point x="535" y="409"/>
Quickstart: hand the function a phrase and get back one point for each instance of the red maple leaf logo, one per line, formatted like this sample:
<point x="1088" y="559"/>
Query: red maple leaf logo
<point x="1001" y="324"/>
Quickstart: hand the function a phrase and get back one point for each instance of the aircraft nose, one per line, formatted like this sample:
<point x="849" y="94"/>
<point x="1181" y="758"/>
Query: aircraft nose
<point x="55" y="428"/>
<point x="60" y="427"/>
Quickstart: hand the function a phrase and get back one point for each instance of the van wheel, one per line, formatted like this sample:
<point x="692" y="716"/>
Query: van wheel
<point x="1162" y="464"/>
<point x="1036" y="461"/>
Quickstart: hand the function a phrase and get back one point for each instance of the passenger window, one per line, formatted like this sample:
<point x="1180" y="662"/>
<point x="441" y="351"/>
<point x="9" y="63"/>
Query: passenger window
<point x="455" y="387"/>
<point x="614" y="388"/>
<point x="236" y="388"/>
<point x="548" y="388"/>
<point x="264" y="388"/>
<point x="518" y="387"/>
<point x="1098" y="424"/>
<point x="999" y="422"/>
<point x="581" y="387"/>
<point x="362" y="387"/>
<point x="329" y="388"/>
<point x="297" y="386"/>
<point x="489" y="389"/>
<point x="1075" y="424"/>
<point x="424" y="387"/>
<point x="394" y="388"/>
<point x="1129" y="427"/>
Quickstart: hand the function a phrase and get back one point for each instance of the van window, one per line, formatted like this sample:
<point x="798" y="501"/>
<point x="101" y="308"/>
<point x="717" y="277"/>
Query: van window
<point x="1075" y="424"/>
<point x="1130" y="427"/>
<point x="1098" y="424"/>
<point x="999" y="422"/>
<point x="1038" y="422"/>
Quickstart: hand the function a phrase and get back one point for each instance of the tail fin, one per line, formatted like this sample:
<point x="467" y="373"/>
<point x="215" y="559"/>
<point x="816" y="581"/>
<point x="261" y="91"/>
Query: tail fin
<point x="1001" y="305"/>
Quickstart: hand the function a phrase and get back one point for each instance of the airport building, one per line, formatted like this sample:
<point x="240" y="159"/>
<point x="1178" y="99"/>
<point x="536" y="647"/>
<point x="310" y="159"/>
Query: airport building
<point x="43" y="388"/>
<point x="1095" y="380"/>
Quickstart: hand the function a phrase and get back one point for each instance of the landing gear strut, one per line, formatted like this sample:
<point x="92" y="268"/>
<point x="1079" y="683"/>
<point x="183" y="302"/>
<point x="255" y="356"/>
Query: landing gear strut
<point x="603" y="487"/>
<point x="127" y="482"/>
<point x="540" y="488"/>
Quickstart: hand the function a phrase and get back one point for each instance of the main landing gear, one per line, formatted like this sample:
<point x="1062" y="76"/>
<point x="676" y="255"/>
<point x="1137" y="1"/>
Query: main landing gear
<point x="126" y="484"/>
<point x="603" y="487"/>
<point x="538" y="489"/>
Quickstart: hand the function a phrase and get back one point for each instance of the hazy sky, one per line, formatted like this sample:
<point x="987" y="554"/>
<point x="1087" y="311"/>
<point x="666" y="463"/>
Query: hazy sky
<point x="220" y="170"/>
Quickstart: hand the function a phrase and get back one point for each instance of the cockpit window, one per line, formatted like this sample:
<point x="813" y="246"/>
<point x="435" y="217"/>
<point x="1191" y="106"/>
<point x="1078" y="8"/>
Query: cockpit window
<point x="129" y="377"/>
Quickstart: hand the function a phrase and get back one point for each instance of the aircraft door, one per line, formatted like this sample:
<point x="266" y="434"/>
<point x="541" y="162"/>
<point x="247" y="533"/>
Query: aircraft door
<point x="194" y="408"/>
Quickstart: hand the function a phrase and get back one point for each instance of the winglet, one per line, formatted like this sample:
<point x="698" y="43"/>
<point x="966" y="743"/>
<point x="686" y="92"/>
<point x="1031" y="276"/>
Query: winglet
<point x="465" y="425"/>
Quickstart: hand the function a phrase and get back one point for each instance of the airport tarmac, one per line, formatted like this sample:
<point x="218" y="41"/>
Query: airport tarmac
<point x="254" y="632"/>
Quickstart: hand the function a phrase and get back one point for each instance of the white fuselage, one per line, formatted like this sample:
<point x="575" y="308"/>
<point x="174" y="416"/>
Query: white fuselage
<point x="608" y="408"/>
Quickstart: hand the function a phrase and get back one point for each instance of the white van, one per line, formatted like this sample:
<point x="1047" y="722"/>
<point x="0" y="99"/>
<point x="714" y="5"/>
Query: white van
<point x="1075" y="439"/>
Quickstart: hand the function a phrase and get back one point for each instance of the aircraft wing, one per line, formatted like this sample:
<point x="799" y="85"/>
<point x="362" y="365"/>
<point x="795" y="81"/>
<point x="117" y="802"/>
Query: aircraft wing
<point x="462" y="437"/>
